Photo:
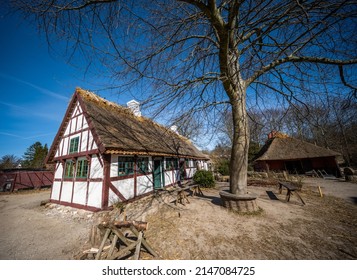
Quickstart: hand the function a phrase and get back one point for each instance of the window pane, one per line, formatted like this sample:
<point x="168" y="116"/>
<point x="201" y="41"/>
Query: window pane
<point x="73" y="147"/>
<point x="125" y="166"/>
<point x="82" y="168"/>
<point x="68" y="172"/>
<point x="143" y="165"/>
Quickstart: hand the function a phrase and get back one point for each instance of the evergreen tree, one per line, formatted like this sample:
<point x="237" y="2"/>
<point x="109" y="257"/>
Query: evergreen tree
<point x="35" y="155"/>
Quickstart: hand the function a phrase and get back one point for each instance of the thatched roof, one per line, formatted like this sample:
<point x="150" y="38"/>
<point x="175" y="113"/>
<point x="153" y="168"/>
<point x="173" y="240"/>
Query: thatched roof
<point x="287" y="148"/>
<point x="118" y="131"/>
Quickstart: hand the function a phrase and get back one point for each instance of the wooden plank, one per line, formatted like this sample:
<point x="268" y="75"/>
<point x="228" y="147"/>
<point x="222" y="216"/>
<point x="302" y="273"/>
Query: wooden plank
<point x="139" y="225"/>
<point x="106" y="235"/>
<point x="123" y="252"/>
<point x="113" y="245"/>
<point x="138" y="246"/>
<point x="120" y="236"/>
<point x="144" y="243"/>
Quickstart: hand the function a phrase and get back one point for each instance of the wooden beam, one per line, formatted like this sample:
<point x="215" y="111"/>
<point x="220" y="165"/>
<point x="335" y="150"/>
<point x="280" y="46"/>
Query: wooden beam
<point x="138" y="246"/>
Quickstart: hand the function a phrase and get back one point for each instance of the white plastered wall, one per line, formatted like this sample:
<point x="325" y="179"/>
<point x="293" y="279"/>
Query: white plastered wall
<point x="56" y="188"/>
<point x="144" y="184"/>
<point x="95" y="194"/>
<point x="66" y="194"/>
<point x="80" y="193"/>
<point x="125" y="187"/>
<point x="96" y="169"/>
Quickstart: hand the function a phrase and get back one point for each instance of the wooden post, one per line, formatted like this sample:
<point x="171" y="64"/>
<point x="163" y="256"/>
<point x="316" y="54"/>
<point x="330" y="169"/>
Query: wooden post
<point x="106" y="235"/>
<point x="138" y="246"/>
<point x="318" y="187"/>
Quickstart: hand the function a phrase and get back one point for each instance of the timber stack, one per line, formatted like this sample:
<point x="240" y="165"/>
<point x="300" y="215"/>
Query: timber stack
<point x="119" y="240"/>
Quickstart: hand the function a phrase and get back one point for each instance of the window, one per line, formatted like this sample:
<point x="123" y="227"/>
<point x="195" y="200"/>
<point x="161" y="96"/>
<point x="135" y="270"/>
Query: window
<point x="125" y="166"/>
<point x="143" y="165"/>
<point x="188" y="162"/>
<point x="73" y="146"/>
<point x="82" y="168"/>
<point x="68" y="170"/>
<point x="171" y="163"/>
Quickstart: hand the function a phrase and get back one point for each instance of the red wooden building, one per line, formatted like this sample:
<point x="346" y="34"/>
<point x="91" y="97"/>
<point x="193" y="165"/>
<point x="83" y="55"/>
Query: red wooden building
<point x="20" y="179"/>
<point x="284" y="153"/>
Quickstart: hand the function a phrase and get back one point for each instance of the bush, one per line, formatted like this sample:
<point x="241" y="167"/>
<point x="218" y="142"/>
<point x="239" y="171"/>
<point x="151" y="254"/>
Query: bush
<point x="223" y="167"/>
<point x="204" y="178"/>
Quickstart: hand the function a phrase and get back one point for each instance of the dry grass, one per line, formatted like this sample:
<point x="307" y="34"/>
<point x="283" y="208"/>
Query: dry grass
<point x="325" y="228"/>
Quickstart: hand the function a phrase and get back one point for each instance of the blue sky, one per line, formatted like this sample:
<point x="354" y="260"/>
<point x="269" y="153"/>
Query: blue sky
<point x="35" y="87"/>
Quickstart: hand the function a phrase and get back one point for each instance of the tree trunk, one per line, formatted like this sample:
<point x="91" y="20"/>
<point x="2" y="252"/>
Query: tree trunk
<point x="235" y="88"/>
<point x="239" y="153"/>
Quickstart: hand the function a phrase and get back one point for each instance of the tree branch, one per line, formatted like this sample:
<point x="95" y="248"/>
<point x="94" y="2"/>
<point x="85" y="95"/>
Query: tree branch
<point x="298" y="59"/>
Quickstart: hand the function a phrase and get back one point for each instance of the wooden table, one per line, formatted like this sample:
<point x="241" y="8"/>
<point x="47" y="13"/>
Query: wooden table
<point x="291" y="189"/>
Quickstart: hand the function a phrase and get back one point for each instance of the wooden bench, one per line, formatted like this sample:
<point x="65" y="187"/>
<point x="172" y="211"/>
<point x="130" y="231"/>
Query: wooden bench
<point x="290" y="190"/>
<point x="181" y="193"/>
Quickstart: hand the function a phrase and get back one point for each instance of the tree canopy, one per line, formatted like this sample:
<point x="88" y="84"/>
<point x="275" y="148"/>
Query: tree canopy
<point x="35" y="155"/>
<point x="199" y="57"/>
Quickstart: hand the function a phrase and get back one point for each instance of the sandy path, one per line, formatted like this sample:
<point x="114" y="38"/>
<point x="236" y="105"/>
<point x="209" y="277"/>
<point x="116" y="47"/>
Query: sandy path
<point x="30" y="231"/>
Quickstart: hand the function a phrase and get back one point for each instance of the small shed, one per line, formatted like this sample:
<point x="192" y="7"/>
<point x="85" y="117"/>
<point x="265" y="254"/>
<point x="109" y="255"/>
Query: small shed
<point x="284" y="153"/>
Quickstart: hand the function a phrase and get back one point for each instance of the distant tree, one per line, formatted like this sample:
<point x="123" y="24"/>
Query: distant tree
<point x="35" y="155"/>
<point x="9" y="161"/>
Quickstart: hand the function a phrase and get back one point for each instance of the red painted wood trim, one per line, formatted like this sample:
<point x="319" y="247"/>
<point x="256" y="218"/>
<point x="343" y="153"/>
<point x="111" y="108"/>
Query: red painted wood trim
<point x="70" y="124"/>
<point x="61" y="130"/>
<point x="75" y="155"/>
<point x="100" y="160"/>
<point x="95" y="180"/>
<point x="118" y="178"/>
<point x="88" y="179"/>
<point x="73" y="182"/>
<point x="63" y="171"/>
<point x="75" y="132"/>
<point x="76" y="125"/>
<point x="61" y="149"/>
<point x="90" y="125"/>
<point x="117" y="192"/>
<point x="76" y="205"/>
<point x="87" y="145"/>
<point x="57" y="180"/>
<point x="80" y="141"/>
<point x="57" y="165"/>
<point x="106" y="181"/>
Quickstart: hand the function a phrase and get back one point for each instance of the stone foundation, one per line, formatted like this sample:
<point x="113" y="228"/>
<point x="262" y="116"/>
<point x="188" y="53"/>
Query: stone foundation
<point x="243" y="203"/>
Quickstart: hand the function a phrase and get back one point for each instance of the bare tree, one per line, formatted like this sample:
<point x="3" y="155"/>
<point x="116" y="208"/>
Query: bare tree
<point x="199" y="55"/>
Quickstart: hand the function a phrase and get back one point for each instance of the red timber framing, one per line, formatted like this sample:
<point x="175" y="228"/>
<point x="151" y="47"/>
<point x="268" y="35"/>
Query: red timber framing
<point x="99" y="158"/>
<point x="106" y="181"/>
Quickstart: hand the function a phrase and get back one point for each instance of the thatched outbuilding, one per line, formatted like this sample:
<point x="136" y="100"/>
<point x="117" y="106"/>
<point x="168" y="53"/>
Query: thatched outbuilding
<point x="284" y="153"/>
<point x="106" y="153"/>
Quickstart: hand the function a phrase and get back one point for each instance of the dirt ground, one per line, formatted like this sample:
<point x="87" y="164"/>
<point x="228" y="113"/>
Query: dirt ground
<point x="324" y="228"/>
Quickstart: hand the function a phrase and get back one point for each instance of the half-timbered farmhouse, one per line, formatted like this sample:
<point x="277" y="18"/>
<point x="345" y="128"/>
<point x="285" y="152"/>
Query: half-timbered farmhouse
<point x="105" y="153"/>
